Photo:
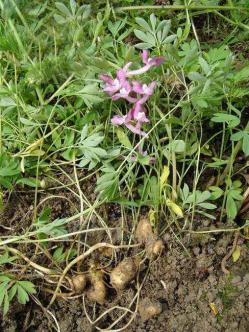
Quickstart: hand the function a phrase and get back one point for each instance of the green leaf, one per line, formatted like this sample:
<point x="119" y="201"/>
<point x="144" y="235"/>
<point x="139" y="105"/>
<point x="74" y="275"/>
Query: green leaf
<point x="238" y="136"/>
<point x="231" y="208"/>
<point x="231" y="120"/>
<point x="143" y="46"/>
<point x="216" y="192"/>
<point x="241" y="75"/>
<point x="28" y="286"/>
<point x="235" y="194"/>
<point x="169" y="39"/>
<point x="12" y="292"/>
<point x="58" y="254"/>
<point x="6" y="102"/>
<point x="194" y="76"/>
<point x="143" y="24"/>
<point x="245" y="144"/>
<point x="236" y="254"/>
<point x="123" y="138"/>
<point x="6" y="259"/>
<point x="59" y="19"/>
<point x="6" y="304"/>
<point x="207" y="206"/>
<point x="204" y="65"/>
<point x="3" y="292"/>
<point x="62" y="8"/>
<point x="177" y="146"/>
<point x="22" y="295"/>
<point x="202" y="196"/>
<point x="31" y="182"/>
<point x="153" y="21"/>
<point x="145" y="37"/>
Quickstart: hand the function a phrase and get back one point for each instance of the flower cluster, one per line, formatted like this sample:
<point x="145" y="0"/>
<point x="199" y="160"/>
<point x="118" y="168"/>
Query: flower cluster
<point x="133" y="91"/>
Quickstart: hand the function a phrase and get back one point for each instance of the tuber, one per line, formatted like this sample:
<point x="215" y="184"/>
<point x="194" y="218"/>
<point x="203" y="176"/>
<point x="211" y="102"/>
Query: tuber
<point x="144" y="232"/>
<point x="97" y="291"/>
<point x="79" y="283"/>
<point x="124" y="272"/>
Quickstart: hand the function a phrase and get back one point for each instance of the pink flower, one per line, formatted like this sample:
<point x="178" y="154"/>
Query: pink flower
<point x="124" y="92"/>
<point x="156" y="61"/>
<point x="149" y="62"/>
<point x="143" y="89"/>
<point x="118" y="120"/>
<point x="128" y="122"/>
<point x="114" y="85"/>
<point x="134" y="92"/>
<point x="133" y="120"/>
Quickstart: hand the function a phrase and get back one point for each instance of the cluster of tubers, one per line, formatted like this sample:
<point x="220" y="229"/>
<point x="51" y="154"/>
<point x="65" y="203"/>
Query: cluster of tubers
<point x="145" y="235"/>
<point x="124" y="272"/>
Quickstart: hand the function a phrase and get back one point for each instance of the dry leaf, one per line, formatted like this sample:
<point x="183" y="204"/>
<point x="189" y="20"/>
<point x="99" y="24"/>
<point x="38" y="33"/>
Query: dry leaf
<point x="164" y="176"/>
<point x="175" y="208"/>
<point x="214" y="308"/>
<point x="236" y="254"/>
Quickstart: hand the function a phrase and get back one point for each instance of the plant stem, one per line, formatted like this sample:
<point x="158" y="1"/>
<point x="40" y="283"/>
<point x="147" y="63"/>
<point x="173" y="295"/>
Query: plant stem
<point x="179" y="7"/>
<point x="236" y="150"/>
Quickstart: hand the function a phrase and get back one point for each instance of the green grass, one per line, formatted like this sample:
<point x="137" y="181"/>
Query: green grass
<point x="55" y="118"/>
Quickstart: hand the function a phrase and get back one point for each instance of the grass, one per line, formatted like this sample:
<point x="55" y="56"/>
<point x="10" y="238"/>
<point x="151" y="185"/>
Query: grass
<point x="56" y="136"/>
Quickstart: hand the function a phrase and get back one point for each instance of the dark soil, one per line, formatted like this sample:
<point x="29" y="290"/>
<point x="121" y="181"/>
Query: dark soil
<point x="186" y="284"/>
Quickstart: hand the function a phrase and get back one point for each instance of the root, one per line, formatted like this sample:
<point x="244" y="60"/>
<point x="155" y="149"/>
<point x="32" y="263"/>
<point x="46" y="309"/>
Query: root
<point x="229" y="254"/>
<point x="81" y="258"/>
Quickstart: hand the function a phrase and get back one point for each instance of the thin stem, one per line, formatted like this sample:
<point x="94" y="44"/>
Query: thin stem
<point x="178" y="7"/>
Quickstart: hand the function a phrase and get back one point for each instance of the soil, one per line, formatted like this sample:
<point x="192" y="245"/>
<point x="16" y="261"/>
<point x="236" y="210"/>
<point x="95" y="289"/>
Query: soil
<point x="183" y="290"/>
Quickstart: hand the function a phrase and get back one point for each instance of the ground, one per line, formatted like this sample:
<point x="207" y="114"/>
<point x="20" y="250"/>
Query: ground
<point x="186" y="280"/>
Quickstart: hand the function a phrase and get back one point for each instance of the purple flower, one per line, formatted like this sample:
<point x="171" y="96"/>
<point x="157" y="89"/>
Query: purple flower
<point x="118" y="120"/>
<point x="124" y="92"/>
<point x="114" y="85"/>
<point x="134" y="92"/>
<point x="149" y="62"/>
<point x="133" y="120"/>
<point x="143" y="89"/>
<point x="156" y="61"/>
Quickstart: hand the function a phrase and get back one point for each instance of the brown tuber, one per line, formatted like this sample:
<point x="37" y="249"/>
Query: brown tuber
<point x="97" y="291"/>
<point x="154" y="249"/>
<point x="79" y="283"/>
<point x="124" y="272"/>
<point x="145" y="235"/>
<point x="144" y="232"/>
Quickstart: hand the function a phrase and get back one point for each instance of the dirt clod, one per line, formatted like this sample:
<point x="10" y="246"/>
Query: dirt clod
<point x="149" y="309"/>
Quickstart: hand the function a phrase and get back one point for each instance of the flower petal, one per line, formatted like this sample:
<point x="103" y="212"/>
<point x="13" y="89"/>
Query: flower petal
<point x="106" y="78"/>
<point x="156" y="61"/>
<point x="141" y="117"/>
<point x="118" y="120"/>
<point x="145" y="56"/>
<point x="137" y="87"/>
<point x="135" y="129"/>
